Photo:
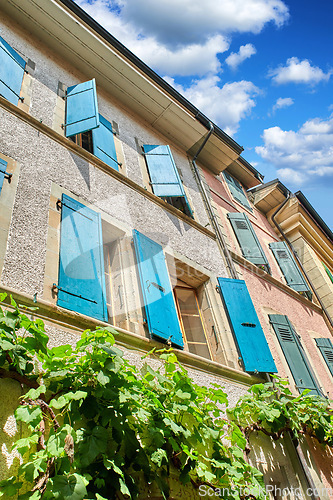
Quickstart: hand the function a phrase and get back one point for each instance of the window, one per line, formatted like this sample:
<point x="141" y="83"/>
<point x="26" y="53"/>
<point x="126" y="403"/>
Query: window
<point x="288" y="266"/>
<point x="237" y="191"/>
<point x="248" y="240"/>
<point x="12" y="71"/>
<point x="191" y="320"/>
<point x="244" y="322"/>
<point x="326" y="348"/>
<point x="86" y="127"/>
<point x="295" y="355"/>
<point x="164" y="177"/>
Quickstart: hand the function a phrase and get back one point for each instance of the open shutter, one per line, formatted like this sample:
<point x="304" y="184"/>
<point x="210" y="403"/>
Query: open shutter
<point x="247" y="239"/>
<point x="157" y="293"/>
<point x="12" y="70"/>
<point x="288" y="266"/>
<point x="81" y="108"/>
<point x="294" y="354"/>
<point x="103" y="143"/>
<point x="81" y="286"/>
<point x="237" y="190"/>
<point x="326" y="348"/>
<point x="246" y="327"/>
<point x="329" y="274"/>
<point x="3" y="167"/>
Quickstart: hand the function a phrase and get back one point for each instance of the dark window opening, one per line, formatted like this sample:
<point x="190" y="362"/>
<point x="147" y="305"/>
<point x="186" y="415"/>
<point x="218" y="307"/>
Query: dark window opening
<point x="84" y="140"/>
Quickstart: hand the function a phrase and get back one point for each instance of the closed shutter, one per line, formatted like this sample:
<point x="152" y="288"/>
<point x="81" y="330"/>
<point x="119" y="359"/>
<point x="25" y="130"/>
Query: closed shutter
<point x="81" y="108"/>
<point x="288" y="266"/>
<point x="326" y="348"/>
<point x="246" y="327"/>
<point x="81" y="286"/>
<point x="12" y="70"/>
<point x="237" y="190"/>
<point x="247" y="239"/>
<point x="157" y="293"/>
<point x="3" y="167"/>
<point x="103" y="143"/>
<point x="164" y="176"/>
<point x="294" y="354"/>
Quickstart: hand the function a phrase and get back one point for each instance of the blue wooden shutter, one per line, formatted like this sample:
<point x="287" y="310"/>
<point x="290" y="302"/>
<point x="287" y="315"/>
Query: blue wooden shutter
<point x="246" y="327"/>
<point x="12" y="70"/>
<point x="326" y="348"/>
<point x="157" y="293"/>
<point x="294" y="354"/>
<point x="237" y="190"/>
<point x="164" y="176"/>
<point x="288" y="266"/>
<point x="3" y="167"/>
<point x="81" y="108"/>
<point x="247" y="239"/>
<point x="81" y="286"/>
<point x="103" y="143"/>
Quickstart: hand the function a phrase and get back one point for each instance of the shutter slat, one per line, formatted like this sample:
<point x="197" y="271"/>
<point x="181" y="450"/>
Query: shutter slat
<point x="157" y="293"/>
<point x="326" y="348"/>
<point x="247" y="239"/>
<point x="12" y="70"/>
<point x="294" y="354"/>
<point x="288" y="266"/>
<point x="81" y="108"/>
<point x="81" y="265"/>
<point x="3" y="168"/>
<point x="246" y="327"/>
<point x="103" y="143"/>
<point x="237" y="191"/>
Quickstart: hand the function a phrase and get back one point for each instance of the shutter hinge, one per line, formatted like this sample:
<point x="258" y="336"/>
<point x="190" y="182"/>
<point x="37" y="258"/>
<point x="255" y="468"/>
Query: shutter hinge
<point x="56" y="289"/>
<point x="59" y="204"/>
<point x="7" y="175"/>
<point x="250" y="325"/>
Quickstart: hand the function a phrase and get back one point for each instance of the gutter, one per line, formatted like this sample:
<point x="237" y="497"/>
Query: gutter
<point x="209" y="208"/>
<point x="95" y="26"/>
<point x="277" y="225"/>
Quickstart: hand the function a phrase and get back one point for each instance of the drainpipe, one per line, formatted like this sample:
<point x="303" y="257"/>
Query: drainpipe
<point x="277" y="225"/>
<point x="209" y="208"/>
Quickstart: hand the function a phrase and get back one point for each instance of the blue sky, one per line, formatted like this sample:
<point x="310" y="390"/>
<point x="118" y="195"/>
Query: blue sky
<point x="261" y="69"/>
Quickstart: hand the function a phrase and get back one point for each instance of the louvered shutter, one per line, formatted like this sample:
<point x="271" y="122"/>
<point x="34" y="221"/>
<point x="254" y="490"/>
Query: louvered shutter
<point x="157" y="293"/>
<point x="11" y="74"/>
<point x="103" y="143"/>
<point x="294" y="354"/>
<point x="3" y="167"/>
<point x="247" y="239"/>
<point x="288" y="266"/>
<point x="164" y="176"/>
<point x="237" y="190"/>
<point x="246" y="327"/>
<point x="81" y="286"/>
<point x="81" y="108"/>
<point x="326" y="348"/>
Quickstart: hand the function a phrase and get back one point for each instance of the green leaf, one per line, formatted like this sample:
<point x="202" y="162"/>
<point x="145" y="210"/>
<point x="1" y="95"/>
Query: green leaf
<point x="71" y="487"/>
<point x="158" y="456"/>
<point x="92" y="445"/>
<point x="35" y="393"/>
<point x="102" y="378"/>
<point x="29" y="415"/>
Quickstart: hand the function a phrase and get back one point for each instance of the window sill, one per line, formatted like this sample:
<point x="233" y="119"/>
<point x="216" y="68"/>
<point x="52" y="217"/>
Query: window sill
<point x="262" y="274"/>
<point x="77" y="323"/>
<point x="89" y="157"/>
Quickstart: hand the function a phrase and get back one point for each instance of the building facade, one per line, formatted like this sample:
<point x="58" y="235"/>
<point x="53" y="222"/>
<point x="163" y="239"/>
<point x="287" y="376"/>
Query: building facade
<point x="121" y="204"/>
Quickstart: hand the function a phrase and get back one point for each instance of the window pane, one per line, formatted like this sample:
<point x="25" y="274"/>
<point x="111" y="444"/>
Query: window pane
<point x="199" y="349"/>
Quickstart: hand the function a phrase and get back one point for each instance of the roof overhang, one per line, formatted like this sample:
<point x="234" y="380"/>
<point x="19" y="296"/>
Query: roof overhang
<point x="64" y="27"/>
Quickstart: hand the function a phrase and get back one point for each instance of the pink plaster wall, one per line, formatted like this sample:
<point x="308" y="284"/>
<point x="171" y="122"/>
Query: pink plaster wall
<point x="304" y="319"/>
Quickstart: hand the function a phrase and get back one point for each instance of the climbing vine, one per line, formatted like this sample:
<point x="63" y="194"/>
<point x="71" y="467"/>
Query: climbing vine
<point x="96" y="427"/>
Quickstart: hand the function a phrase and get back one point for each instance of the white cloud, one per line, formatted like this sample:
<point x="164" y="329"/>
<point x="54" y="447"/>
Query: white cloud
<point x="225" y="105"/>
<point x="303" y="155"/>
<point x="236" y="58"/>
<point x="296" y="71"/>
<point x="183" y="37"/>
<point x="283" y="102"/>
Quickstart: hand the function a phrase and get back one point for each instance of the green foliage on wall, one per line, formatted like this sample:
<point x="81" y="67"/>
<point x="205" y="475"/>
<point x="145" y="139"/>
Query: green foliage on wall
<point x="96" y="425"/>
